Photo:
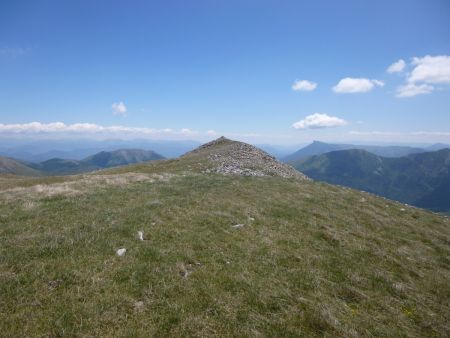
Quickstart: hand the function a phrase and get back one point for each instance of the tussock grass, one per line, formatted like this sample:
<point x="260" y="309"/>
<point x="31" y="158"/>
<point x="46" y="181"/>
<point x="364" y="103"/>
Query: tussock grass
<point x="317" y="260"/>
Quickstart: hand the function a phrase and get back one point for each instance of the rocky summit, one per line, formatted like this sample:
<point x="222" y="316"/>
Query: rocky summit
<point x="237" y="158"/>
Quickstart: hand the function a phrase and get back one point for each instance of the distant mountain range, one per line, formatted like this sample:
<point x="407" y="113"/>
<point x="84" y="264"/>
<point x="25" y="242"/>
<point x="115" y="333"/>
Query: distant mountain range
<point x="277" y="150"/>
<point x="58" y="166"/>
<point x="318" y="148"/>
<point x="78" y="149"/>
<point x="421" y="179"/>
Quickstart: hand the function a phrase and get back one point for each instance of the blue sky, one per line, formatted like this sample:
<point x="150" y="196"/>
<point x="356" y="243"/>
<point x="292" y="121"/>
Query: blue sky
<point x="197" y="69"/>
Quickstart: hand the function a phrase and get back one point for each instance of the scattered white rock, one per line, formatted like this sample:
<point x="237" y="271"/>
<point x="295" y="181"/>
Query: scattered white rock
<point x="251" y="219"/>
<point x="402" y="209"/>
<point x="139" y="306"/>
<point x="121" y="252"/>
<point x="238" y="225"/>
<point x="399" y="286"/>
<point x="141" y="235"/>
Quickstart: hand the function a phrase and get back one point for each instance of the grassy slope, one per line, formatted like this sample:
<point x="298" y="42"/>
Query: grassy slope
<point x="317" y="259"/>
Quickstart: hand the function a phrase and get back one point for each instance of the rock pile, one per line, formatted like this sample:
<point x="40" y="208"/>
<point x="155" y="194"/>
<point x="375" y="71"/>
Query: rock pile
<point x="238" y="158"/>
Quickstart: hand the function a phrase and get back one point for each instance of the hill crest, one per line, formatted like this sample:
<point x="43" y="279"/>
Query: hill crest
<point x="238" y="158"/>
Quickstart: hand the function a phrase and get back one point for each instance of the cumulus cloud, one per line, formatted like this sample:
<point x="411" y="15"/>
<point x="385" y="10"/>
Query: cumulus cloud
<point x="119" y="108"/>
<point x="426" y="73"/>
<point x="304" y="85"/>
<point x="412" y="89"/>
<point x="397" y="67"/>
<point x="356" y="85"/>
<point x="317" y="120"/>
<point x="431" y="70"/>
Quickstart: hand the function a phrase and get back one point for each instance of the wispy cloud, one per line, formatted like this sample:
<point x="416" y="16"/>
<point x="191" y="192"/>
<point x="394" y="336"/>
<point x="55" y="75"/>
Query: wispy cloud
<point x="90" y="129"/>
<point x="351" y="85"/>
<point x="318" y="120"/>
<point x="412" y="89"/>
<point x="393" y="136"/>
<point x="304" y="85"/>
<point x="189" y="132"/>
<point x="397" y="67"/>
<point x="14" y="51"/>
<point x="391" y="133"/>
<point x="119" y="108"/>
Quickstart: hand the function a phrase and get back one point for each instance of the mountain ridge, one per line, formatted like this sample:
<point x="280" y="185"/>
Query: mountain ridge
<point x="412" y="179"/>
<point x="318" y="148"/>
<point x="101" y="160"/>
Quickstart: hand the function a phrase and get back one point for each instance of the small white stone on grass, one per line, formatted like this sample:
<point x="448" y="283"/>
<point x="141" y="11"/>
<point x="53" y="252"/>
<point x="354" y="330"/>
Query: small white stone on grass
<point x="141" y="235"/>
<point x="251" y="219"/>
<point x="121" y="252"/>
<point x="139" y="306"/>
<point x="402" y="209"/>
<point x="238" y="225"/>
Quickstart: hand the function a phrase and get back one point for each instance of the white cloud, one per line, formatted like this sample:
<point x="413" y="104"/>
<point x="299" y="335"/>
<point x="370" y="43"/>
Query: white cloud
<point x="411" y="89"/>
<point x="427" y="71"/>
<point x="431" y="70"/>
<point x="318" y="120"/>
<point x="304" y="85"/>
<point x="397" y="67"/>
<point x="356" y="85"/>
<point x="211" y="133"/>
<point x="378" y="83"/>
<point x="188" y="132"/>
<point x="90" y="129"/>
<point x="119" y="108"/>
